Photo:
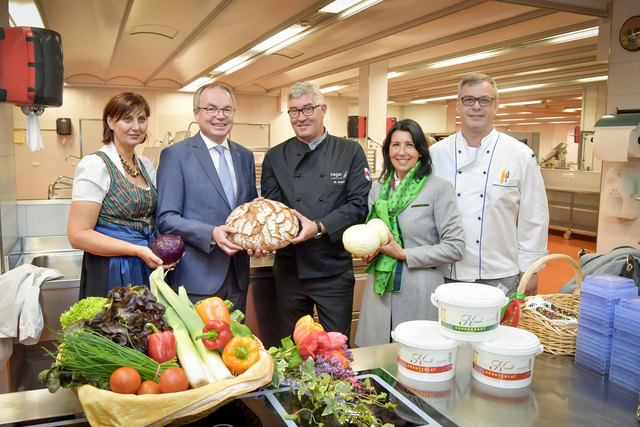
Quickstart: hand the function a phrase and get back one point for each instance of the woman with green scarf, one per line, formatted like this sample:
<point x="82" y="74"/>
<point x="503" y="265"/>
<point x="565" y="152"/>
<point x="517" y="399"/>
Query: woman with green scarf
<point x="425" y="236"/>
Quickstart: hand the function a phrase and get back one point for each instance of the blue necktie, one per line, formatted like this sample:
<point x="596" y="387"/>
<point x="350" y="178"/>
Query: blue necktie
<point x="225" y="176"/>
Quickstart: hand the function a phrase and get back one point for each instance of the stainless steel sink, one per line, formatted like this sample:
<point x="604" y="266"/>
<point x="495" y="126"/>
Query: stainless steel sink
<point x="69" y="264"/>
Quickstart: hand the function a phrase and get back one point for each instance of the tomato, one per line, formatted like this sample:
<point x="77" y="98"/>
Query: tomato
<point x="173" y="379"/>
<point x="149" y="387"/>
<point x="125" y="380"/>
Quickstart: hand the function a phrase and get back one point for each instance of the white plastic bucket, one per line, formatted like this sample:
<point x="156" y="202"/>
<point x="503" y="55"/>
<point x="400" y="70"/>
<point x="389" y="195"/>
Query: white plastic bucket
<point x="468" y="311"/>
<point x="507" y="360"/>
<point x="423" y="353"/>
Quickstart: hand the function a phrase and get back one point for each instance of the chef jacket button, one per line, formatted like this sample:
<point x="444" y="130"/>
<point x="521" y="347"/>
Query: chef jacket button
<point x="321" y="198"/>
<point x="459" y="151"/>
<point x="477" y="241"/>
<point x="297" y="175"/>
<point x="488" y="151"/>
<point x="297" y="199"/>
<point x="481" y="195"/>
<point x="479" y="218"/>
<point x="458" y="194"/>
<point x="459" y="172"/>
<point x="321" y="173"/>
<point x="484" y="172"/>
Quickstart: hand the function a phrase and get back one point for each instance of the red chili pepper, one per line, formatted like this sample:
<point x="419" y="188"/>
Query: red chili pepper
<point x="217" y="334"/>
<point x="162" y="345"/>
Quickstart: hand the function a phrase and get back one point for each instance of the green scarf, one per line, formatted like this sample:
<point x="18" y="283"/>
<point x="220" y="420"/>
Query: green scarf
<point x="387" y="209"/>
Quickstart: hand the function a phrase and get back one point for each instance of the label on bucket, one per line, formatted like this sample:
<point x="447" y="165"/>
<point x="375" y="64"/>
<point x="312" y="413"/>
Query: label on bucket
<point x="424" y="362"/>
<point x="469" y="321"/>
<point x="502" y="367"/>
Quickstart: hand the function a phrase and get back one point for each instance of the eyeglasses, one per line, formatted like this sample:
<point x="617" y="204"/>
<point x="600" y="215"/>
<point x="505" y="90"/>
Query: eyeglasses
<point x="469" y="101"/>
<point x="307" y="111"/>
<point x="213" y="111"/>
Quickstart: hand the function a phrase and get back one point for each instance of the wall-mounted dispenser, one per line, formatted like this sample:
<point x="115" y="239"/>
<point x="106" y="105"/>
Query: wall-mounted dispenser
<point x="617" y="136"/>
<point x="620" y="193"/>
<point x="63" y="126"/>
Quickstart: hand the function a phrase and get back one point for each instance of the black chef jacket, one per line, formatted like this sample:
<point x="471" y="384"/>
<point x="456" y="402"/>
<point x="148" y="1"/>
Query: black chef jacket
<point x="330" y="184"/>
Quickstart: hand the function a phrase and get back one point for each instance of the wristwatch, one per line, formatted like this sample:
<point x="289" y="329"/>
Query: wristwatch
<point x="319" y="233"/>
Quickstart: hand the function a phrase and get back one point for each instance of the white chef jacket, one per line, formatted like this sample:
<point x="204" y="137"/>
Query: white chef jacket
<point x="502" y="201"/>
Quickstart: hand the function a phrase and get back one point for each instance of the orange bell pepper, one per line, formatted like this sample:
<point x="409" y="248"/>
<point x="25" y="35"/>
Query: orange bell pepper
<point x="213" y="308"/>
<point x="304" y="326"/>
<point x="240" y="354"/>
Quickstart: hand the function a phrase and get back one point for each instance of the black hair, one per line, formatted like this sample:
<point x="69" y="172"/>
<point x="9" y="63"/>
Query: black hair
<point x="419" y="142"/>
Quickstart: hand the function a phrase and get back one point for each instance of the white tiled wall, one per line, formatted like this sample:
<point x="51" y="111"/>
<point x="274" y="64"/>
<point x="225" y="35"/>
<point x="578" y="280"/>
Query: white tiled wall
<point x="43" y="217"/>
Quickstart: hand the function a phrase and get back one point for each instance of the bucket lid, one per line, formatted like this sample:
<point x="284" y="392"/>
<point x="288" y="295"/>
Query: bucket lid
<point x="470" y="294"/>
<point x="422" y="334"/>
<point x="511" y="342"/>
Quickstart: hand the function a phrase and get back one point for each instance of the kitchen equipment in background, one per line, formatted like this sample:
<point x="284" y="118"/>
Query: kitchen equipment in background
<point x="556" y="158"/>
<point x="587" y="160"/>
<point x="60" y="188"/>
<point x="152" y="152"/>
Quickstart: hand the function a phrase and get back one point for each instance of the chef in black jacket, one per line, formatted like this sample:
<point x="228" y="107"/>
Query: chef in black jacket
<point x="326" y="180"/>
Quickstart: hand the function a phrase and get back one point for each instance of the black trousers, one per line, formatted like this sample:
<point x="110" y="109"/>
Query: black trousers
<point x="332" y="297"/>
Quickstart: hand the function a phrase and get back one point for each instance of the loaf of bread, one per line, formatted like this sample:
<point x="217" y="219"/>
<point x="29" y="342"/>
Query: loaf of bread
<point x="263" y="224"/>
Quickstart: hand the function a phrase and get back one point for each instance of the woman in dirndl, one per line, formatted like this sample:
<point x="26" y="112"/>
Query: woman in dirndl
<point x="113" y="204"/>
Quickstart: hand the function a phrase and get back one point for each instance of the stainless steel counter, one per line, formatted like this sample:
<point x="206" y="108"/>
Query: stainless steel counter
<point x="562" y="394"/>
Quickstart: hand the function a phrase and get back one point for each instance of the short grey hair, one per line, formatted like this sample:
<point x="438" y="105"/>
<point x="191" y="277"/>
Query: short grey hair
<point x="198" y="94"/>
<point x="475" y="78"/>
<point x="302" y="88"/>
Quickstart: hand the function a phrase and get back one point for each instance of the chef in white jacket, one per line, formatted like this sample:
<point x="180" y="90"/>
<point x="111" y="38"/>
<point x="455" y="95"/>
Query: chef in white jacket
<point x="499" y="189"/>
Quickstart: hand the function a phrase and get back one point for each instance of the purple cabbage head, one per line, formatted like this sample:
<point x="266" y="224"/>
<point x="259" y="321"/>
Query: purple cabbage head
<point x="169" y="247"/>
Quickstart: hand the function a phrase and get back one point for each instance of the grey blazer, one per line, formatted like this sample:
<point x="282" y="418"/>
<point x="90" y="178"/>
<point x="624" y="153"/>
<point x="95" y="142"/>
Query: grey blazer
<point x="433" y="238"/>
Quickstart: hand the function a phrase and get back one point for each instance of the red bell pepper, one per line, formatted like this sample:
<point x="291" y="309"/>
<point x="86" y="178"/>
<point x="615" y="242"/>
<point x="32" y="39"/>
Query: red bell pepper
<point x="162" y="345"/>
<point x="217" y="334"/>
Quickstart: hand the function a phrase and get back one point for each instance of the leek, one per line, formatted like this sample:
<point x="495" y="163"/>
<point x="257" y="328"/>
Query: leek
<point x="193" y="366"/>
<point x="192" y="322"/>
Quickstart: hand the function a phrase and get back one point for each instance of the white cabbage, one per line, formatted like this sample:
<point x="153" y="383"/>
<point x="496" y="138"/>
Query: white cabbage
<point x="381" y="228"/>
<point x="360" y="239"/>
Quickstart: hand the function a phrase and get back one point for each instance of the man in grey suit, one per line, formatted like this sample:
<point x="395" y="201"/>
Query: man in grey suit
<point x="200" y="180"/>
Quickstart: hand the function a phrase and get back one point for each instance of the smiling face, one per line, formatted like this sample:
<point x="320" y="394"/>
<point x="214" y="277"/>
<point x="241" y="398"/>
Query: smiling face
<point x="218" y="126"/>
<point x="307" y="128"/>
<point x="129" y="130"/>
<point x="402" y="152"/>
<point x="477" y="121"/>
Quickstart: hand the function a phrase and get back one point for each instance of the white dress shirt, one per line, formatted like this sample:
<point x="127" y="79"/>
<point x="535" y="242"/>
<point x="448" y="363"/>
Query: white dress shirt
<point x="502" y="200"/>
<point x="215" y="157"/>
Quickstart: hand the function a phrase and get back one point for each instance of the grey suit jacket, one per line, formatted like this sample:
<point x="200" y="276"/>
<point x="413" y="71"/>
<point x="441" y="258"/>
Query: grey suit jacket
<point x="433" y="238"/>
<point x="191" y="203"/>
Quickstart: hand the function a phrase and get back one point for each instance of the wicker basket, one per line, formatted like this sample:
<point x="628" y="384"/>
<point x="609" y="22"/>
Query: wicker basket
<point x="556" y="337"/>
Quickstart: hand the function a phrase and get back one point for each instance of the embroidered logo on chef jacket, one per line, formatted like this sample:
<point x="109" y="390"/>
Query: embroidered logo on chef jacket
<point x="338" y="177"/>
<point x="367" y="174"/>
<point x="504" y="178"/>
